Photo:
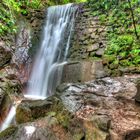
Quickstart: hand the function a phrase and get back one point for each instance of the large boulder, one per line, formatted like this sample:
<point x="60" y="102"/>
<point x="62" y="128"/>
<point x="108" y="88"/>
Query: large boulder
<point x="57" y="123"/>
<point x="82" y="71"/>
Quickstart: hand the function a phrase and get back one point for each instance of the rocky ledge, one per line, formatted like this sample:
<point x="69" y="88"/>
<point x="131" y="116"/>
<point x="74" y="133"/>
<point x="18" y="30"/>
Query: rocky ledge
<point x="102" y="109"/>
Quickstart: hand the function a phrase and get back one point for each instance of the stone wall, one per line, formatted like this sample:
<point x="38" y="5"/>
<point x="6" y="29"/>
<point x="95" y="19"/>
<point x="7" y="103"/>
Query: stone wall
<point x="89" y="38"/>
<point x="87" y="47"/>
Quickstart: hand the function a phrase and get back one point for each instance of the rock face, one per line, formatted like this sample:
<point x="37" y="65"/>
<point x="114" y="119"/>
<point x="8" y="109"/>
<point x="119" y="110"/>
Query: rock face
<point x="82" y="71"/>
<point x="102" y="109"/>
<point x="89" y="37"/>
<point x="5" y="55"/>
<point x="21" y="59"/>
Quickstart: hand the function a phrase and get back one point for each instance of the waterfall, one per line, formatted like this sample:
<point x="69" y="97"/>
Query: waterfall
<point x="51" y="57"/>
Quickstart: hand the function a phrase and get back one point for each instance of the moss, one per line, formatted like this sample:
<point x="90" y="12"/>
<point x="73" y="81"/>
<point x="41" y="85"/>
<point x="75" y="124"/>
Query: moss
<point x="116" y="72"/>
<point x="94" y="58"/>
<point x="23" y="115"/>
<point x="7" y="132"/>
<point x="79" y="136"/>
<point x="123" y="43"/>
<point x="12" y="88"/>
<point x="108" y="59"/>
<point x="107" y="70"/>
<point x="136" y="60"/>
<point x="95" y="134"/>
<point x="61" y="114"/>
<point x="114" y="65"/>
<point x="124" y="63"/>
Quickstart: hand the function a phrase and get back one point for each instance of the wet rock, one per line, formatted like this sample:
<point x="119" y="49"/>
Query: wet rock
<point x="132" y="135"/>
<point x="5" y="56"/>
<point x="88" y="32"/>
<point x="22" y="46"/>
<point x="59" y="124"/>
<point x="9" y="132"/>
<point x="29" y="110"/>
<point x="137" y="97"/>
<point x="45" y="128"/>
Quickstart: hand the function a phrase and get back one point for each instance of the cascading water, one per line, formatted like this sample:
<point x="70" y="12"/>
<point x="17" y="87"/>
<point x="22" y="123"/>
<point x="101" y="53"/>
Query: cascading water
<point x="9" y="118"/>
<point x="46" y="74"/>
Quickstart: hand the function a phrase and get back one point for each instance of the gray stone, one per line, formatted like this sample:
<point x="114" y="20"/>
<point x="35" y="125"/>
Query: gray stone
<point x="23" y="44"/>
<point x="82" y="71"/>
<point x="93" y="47"/>
<point x="93" y="35"/>
<point x="72" y="72"/>
<point x="100" y="52"/>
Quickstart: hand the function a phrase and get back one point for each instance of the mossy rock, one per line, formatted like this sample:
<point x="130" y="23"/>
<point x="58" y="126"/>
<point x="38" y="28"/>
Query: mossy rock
<point x="12" y="87"/>
<point x="5" y="56"/>
<point x="31" y="110"/>
<point x="108" y="59"/>
<point x="114" y="65"/>
<point x="124" y="63"/>
<point x="23" y="114"/>
<point x="4" y="135"/>
<point x="93" y="133"/>
<point x="5" y="104"/>
<point x="116" y="72"/>
<point x="107" y="70"/>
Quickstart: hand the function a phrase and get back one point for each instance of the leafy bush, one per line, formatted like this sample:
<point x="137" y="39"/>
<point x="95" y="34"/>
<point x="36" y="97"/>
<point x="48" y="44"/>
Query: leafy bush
<point x="123" y="28"/>
<point x="10" y="9"/>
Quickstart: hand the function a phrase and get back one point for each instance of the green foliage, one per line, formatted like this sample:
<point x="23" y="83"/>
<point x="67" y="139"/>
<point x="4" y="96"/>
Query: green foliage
<point x="123" y="43"/>
<point x="8" y="132"/>
<point x="11" y="9"/>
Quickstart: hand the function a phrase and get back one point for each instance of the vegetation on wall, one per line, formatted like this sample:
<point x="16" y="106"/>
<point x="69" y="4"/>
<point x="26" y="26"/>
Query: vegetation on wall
<point x="11" y="9"/>
<point x="122" y="18"/>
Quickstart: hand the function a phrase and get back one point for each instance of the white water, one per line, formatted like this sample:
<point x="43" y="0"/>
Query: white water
<point x="47" y="70"/>
<point x="9" y="118"/>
